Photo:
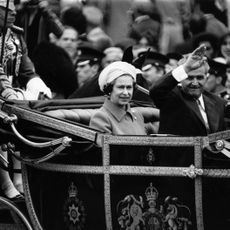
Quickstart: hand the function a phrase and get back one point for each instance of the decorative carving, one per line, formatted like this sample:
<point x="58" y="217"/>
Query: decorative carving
<point x="219" y="145"/>
<point x="74" y="211"/>
<point x="192" y="172"/>
<point x="137" y="213"/>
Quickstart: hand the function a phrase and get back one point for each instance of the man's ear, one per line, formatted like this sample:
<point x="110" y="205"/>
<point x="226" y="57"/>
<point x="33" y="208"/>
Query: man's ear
<point x="53" y="38"/>
<point x="218" y="80"/>
<point x="96" y="67"/>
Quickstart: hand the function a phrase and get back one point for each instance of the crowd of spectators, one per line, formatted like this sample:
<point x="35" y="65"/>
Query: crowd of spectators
<point x="166" y="27"/>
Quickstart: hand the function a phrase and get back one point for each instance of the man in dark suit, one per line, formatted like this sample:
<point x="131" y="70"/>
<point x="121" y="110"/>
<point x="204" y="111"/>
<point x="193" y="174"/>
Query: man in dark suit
<point x="184" y="102"/>
<point x="186" y="109"/>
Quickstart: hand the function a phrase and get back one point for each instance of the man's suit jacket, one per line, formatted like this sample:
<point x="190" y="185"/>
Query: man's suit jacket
<point x="180" y="114"/>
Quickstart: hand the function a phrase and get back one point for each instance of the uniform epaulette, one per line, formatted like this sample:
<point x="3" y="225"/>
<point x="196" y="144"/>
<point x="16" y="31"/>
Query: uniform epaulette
<point x="17" y="29"/>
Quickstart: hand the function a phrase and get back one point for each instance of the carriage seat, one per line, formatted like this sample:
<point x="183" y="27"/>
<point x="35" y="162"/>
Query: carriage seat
<point x="82" y="116"/>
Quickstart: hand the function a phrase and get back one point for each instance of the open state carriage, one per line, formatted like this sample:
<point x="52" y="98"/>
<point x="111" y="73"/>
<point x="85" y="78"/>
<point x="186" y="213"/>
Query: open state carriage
<point x="70" y="183"/>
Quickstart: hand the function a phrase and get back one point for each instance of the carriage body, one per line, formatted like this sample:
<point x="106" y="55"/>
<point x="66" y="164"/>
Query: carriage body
<point x="83" y="186"/>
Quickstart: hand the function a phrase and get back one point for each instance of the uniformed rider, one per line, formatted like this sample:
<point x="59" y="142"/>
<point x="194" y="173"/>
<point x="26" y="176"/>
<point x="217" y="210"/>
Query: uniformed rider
<point x="18" y="79"/>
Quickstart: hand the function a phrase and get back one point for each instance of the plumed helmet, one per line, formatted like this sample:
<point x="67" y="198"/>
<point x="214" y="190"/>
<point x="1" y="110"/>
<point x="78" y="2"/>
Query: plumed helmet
<point x="3" y="3"/>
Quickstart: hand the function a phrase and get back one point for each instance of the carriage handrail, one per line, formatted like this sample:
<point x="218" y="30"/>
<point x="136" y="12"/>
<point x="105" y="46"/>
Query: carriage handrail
<point x="53" y="153"/>
<point x="65" y="141"/>
<point x="15" y="209"/>
<point x="50" y="122"/>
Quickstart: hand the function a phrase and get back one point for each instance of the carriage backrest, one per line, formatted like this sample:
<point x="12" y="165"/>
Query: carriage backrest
<point x="82" y="116"/>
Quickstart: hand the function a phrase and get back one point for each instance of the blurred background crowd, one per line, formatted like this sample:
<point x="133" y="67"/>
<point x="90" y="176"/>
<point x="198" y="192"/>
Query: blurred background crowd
<point x="71" y="41"/>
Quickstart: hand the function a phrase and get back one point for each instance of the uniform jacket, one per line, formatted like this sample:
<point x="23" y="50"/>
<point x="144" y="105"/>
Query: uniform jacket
<point x="17" y="66"/>
<point x="89" y="89"/>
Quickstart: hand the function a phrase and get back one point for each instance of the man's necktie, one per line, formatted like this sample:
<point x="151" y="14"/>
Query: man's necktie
<point x="203" y="114"/>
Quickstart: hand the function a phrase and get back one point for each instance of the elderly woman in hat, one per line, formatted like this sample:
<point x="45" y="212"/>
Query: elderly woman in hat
<point x="116" y="116"/>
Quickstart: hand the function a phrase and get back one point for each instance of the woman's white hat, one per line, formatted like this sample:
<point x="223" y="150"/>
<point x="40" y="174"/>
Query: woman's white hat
<point x="115" y="70"/>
